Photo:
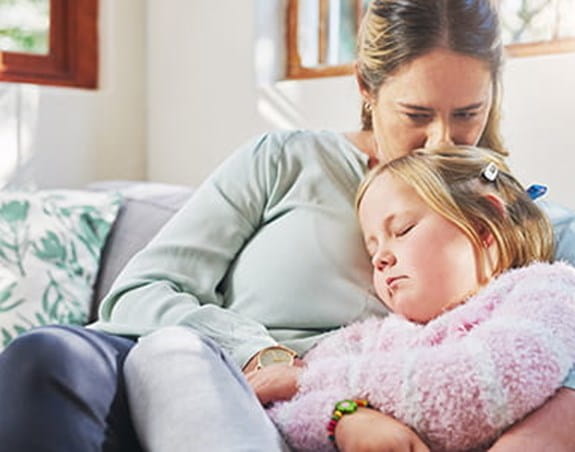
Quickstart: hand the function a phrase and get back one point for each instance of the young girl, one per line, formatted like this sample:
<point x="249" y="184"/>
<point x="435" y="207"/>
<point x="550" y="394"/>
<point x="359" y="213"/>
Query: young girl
<point x="439" y="226"/>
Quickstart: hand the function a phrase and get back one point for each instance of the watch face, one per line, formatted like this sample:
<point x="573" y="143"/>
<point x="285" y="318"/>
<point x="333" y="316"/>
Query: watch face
<point x="275" y="355"/>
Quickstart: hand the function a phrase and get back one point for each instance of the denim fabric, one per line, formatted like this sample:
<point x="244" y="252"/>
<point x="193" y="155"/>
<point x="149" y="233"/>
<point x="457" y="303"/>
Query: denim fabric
<point x="569" y="382"/>
<point x="563" y="221"/>
<point x="62" y="390"/>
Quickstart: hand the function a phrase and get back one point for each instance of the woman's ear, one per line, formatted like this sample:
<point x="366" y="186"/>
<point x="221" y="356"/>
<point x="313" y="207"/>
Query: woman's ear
<point x="362" y="85"/>
<point x="485" y="234"/>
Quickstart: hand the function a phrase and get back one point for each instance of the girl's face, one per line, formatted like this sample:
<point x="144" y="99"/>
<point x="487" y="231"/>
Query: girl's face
<point x="422" y="263"/>
<point x="439" y="98"/>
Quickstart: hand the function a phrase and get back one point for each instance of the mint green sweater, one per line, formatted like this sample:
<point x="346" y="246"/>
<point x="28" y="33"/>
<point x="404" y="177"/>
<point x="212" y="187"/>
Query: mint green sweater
<point x="267" y="250"/>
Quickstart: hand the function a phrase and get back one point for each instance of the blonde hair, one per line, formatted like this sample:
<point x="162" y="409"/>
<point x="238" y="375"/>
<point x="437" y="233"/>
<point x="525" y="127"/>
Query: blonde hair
<point x="395" y="32"/>
<point x="452" y="182"/>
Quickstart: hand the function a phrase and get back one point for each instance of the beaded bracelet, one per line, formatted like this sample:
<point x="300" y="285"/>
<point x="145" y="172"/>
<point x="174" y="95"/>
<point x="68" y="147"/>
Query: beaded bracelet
<point x="342" y="408"/>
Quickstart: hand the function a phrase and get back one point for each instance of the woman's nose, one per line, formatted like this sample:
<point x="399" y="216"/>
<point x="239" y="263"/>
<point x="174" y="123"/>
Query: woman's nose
<point x="439" y="134"/>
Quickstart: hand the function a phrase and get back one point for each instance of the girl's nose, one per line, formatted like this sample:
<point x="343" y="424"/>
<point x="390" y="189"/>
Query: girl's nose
<point x="382" y="259"/>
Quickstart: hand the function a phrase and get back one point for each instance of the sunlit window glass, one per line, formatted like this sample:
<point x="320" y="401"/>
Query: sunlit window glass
<point x="537" y="20"/>
<point x="25" y="26"/>
<point x="327" y="30"/>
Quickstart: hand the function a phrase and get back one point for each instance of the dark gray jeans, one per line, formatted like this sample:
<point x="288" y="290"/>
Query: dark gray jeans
<point x="62" y="389"/>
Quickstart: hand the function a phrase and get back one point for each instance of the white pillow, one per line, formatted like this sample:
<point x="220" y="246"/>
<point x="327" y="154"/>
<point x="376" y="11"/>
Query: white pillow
<point x="50" y="246"/>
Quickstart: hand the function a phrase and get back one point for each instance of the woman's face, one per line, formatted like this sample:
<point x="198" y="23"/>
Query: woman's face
<point x="422" y="263"/>
<point x="439" y="98"/>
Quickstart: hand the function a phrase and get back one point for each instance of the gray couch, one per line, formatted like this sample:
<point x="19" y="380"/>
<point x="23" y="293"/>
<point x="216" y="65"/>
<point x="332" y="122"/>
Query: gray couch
<point x="145" y="209"/>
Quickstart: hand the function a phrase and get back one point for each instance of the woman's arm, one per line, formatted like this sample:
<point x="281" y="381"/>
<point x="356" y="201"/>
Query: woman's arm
<point x="550" y="427"/>
<point x="175" y="279"/>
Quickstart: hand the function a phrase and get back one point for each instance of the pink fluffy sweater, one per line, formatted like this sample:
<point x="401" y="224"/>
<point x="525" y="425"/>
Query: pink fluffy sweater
<point x="458" y="380"/>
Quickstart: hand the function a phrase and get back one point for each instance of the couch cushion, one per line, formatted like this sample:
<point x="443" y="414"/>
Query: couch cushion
<point x="146" y="207"/>
<point x="50" y="248"/>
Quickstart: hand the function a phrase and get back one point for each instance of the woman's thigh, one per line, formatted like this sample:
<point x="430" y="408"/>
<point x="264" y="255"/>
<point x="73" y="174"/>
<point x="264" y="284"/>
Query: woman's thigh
<point x="186" y="394"/>
<point x="64" y="389"/>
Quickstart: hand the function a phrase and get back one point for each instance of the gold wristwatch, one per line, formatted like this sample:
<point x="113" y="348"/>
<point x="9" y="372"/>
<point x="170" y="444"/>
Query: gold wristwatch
<point x="276" y="354"/>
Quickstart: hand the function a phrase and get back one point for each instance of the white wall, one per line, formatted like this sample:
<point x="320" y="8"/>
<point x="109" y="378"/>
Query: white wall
<point x="203" y="93"/>
<point x="204" y="98"/>
<point x="68" y="137"/>
<point x="539" y="122"/>
<point x="201" y="90"/>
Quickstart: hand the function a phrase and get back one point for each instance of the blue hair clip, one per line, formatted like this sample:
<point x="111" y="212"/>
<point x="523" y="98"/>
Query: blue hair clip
<point x="536" y="191"/>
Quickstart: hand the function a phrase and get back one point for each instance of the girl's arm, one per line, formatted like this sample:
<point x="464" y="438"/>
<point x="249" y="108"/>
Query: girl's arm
<point x="303" y="422"/>
<point x="371" y="430"/>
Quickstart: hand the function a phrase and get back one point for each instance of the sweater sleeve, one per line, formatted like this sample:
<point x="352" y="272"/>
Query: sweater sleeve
<point x="464" y="391"/>
<point x="175" y="279"/>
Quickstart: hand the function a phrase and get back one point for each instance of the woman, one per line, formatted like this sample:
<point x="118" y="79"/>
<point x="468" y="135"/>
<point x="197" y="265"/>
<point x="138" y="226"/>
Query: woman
<point x="267" y="252"/>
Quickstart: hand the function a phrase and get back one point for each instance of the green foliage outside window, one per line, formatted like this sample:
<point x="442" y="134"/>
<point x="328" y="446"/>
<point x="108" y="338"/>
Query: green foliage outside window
<point x="24" y="26"/>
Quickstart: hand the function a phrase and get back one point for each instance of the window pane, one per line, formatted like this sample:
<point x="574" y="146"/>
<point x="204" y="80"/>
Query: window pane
<point x="308" y="36"/>
<point x="326" y="34"/>
<point x="24" y="26"/>
<point x="343" y="32"/>
<point x="537" y="20"/>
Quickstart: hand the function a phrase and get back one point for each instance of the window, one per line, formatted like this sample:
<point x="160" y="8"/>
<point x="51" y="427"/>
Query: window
<point x="49" y="42"/>
<point x="538" y="27"/>
<point x="321" y="36"/>
<point x="321" y="33"/>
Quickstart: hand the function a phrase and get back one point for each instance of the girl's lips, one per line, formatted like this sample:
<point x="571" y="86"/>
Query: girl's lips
<point x="392" y="279"/>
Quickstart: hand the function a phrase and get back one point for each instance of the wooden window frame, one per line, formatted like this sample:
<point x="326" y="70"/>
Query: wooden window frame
<point x="72" y="59"/>
<point x="561" y="45"/>
<point x="295" y="69"/>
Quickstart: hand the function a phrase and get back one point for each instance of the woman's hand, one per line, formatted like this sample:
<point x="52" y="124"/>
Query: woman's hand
<point x="275" y="382"/>
<point x="369" y="430"/>
<point x="549" y="428"/>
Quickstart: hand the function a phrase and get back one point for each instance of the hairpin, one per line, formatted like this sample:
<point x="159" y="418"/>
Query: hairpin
<point x="536" y="191"/>
<point x="490" y="172"/>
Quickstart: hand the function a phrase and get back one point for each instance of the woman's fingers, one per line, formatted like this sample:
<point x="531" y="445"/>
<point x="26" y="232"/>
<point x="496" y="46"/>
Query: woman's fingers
<point x="276" y="382"/>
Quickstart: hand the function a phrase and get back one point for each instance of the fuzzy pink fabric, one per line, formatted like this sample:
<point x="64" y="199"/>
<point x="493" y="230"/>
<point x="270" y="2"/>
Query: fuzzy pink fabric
<point x="459" y="380"/>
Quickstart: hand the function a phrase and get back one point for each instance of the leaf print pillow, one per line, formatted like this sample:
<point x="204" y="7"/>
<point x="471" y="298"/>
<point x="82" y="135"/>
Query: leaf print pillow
<point x="50" y="246"/>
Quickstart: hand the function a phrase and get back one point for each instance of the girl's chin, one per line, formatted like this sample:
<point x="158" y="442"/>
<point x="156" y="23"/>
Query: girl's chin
<point x="404" y="310"/>
<point x="413" y="315"/>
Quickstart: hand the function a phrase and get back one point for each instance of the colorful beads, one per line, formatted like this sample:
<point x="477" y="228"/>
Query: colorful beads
<point x="343" y="407"/>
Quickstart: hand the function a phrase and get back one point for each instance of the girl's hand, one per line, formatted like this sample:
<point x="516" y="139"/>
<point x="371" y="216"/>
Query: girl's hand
<point x="275" y="382"/>
<point x="369" y="430"/>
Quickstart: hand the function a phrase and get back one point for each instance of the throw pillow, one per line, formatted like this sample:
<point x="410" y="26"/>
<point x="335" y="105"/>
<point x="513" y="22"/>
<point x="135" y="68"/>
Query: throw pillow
<point x="50" y="247"/>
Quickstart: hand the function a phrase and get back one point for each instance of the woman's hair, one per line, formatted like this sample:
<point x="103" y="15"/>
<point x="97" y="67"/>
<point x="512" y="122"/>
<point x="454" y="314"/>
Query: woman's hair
<point x="454" y="183"/>
<point x="395" y="32"/>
